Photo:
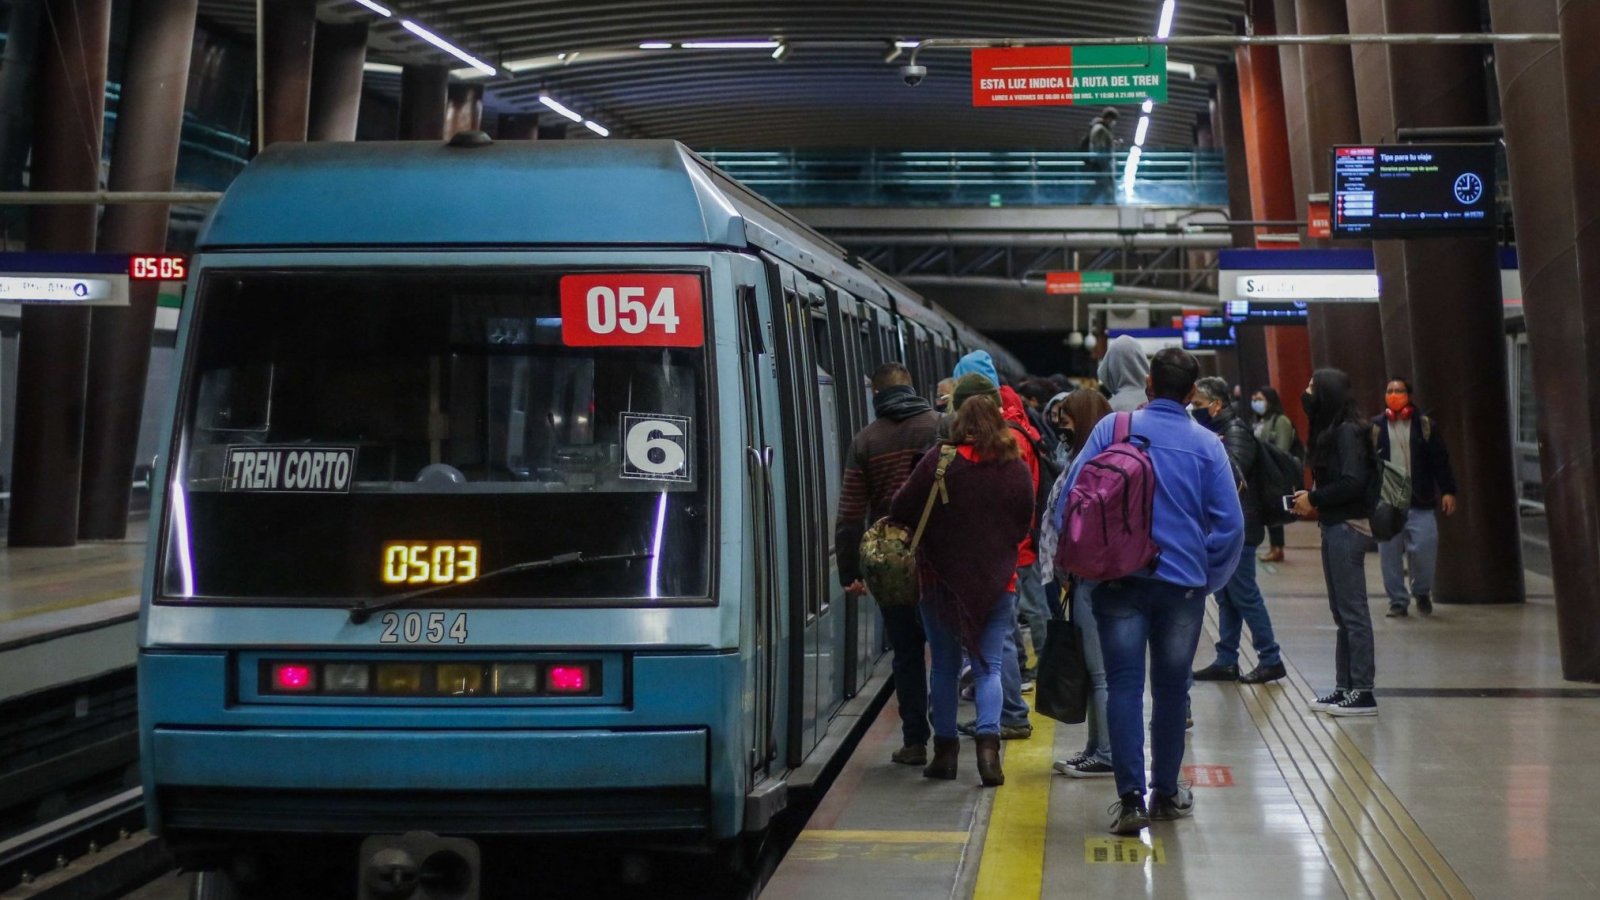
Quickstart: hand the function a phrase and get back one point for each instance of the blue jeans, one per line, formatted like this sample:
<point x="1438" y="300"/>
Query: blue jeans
<point x="946" y="672"/>
<point x="904" y="626"/>
<point x="1344" y="570"/>
<point x="1098" y="747"/>
<point x="1031" y="606"/>
<point x="1013" y="709"/>
<point x="1239" y="603"/>
<point x="1416" y="547"/>
<point x="1131" y="614"/>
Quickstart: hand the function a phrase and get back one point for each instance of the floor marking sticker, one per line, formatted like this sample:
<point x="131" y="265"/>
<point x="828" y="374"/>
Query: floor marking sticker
<point x="1208" y="776"/>
<point x="1125" y="851"/>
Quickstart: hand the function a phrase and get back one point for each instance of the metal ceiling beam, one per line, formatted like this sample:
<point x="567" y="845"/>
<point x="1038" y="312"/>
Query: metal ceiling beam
<point x="1085" y="239"/>
<point x="1126" y="292"/>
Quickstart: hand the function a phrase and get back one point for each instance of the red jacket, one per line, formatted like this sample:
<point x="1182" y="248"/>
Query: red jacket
<point x="1011" y="407"/>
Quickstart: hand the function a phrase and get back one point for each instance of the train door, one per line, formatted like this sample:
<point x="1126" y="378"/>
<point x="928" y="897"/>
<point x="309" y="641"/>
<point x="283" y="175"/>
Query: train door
<point x="761" y="597"/>
<point x="849" y="377"/>
<point x="804" y="501"/>
<point x="833" y="432"/>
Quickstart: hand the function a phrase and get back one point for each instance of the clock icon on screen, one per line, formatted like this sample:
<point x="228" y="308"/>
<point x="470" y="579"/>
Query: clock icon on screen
<point x="1468" y="188"/>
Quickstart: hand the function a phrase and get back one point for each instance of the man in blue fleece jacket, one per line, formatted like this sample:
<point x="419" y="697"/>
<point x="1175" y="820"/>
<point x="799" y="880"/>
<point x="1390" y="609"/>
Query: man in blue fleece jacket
<point x="1199" y="526"/>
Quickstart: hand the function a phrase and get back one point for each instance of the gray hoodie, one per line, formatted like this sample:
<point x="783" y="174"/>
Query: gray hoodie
<point x="1123" y="372"/>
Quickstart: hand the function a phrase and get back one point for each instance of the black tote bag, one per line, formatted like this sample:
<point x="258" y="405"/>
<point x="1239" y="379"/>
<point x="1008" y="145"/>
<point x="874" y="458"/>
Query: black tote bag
<point x="1062" y="688"/>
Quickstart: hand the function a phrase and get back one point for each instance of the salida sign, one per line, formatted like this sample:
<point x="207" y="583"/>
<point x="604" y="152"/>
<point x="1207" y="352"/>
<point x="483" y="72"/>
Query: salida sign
<point x="1068" y="76"/>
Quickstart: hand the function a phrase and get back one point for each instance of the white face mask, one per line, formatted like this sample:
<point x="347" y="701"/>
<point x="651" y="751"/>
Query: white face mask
<point x="1260" y="406"/>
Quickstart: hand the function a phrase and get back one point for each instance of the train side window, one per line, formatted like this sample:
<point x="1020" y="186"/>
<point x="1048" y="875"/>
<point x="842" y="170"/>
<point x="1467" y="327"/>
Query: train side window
<point x="822" y="344"/>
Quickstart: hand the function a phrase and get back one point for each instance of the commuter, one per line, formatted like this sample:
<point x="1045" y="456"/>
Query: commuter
<point x="1411" y="440"/>
<point x="1274" y="427"/>
<point x="1035" y="393"/>
<point x="1101" y="144"/>
<point x="1239" y="603"/>
<point x="1055" y="415"/>
<point x="1199" y="526"/>
<point x="943" y="391"/>
<point x="880" y="459"/>
<point x="1014" y="724"/>
<point x="1083" y="411"/>
<point x="1342" y="471"/>
<point x="1123" y="372"/>
<point x="966" y="566"/>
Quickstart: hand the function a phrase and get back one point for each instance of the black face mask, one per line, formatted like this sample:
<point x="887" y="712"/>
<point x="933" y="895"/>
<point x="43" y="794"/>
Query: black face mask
<point x="1308" y="402"/>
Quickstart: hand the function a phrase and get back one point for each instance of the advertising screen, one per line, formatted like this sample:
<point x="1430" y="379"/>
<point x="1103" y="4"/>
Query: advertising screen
<point x="1413" y="190"/>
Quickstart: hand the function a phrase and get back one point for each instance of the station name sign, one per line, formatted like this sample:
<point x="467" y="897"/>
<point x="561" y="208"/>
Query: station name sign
<point x="1068" y="76"/>
<point x="1061" y="283"/>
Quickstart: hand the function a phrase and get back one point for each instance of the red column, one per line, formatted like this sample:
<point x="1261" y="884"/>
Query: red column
<point x="288" y="29"/>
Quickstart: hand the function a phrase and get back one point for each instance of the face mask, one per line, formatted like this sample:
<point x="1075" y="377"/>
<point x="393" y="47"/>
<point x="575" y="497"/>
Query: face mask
<point x="1202" y="414"/>
<point x="1397" y="402"/>
<point x="1260" y="407"/>
<point x="1308" y="402"/>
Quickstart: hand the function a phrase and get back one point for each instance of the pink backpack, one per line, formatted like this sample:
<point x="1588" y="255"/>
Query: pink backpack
<point x="1105" y="534"/>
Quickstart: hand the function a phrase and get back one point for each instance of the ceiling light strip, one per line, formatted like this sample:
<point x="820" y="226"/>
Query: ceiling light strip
<point x="378" y="8"/>
<point x="447" y="47"/>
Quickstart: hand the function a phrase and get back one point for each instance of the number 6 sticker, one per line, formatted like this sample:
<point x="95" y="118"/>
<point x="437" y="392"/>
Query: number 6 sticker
<point x="656" y="448"/>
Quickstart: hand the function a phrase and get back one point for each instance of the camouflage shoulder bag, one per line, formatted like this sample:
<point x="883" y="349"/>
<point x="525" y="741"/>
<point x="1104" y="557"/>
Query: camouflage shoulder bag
<point x="889" y="549"/>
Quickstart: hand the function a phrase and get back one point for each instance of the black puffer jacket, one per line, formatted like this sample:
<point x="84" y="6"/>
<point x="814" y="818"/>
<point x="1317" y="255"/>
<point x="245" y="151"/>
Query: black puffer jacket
<point x="1240" y="442"/>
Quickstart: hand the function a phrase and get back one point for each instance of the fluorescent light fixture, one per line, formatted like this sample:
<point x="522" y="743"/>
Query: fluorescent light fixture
<point x="1148" y="105"/>
<point x="376" y="7"/>
<point x="385" y="68"/>
<point x="556" y="105"/>
<point x="656" y="45"/>
<point x="447" y="47"/>
<point x="908" y="45"/>
<point x="1144" y="129"/>
<point x="781" y="53"/>
<point x="597" y="128"/>
<point x="730" y="45"/>
<point x="1130" y="171"/>
<point x="469" y="72"/>
<point x="1167" y="10"/>
<point x="1182" y="68"/>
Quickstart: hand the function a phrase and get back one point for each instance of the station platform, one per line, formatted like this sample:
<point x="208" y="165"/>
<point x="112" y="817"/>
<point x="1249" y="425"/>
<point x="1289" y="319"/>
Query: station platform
<point x="1469" y="783"/>
<point x="68" y="613"/>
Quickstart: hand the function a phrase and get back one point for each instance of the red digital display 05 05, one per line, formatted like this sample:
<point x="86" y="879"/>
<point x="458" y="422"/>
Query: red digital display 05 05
<point x="158" y="267"/>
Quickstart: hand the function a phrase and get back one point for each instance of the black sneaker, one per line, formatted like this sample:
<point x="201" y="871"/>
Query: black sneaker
<point x="1424" y="605"/>
<point x="1164" y="808"/>
<point x="1062" y="765"/>
<point x="1089" y="768"/>
<point x="1217" y="672"/>
<point x="1264" y="674"/>
<point x="1329" y="700"/>
<point x="1355" y="703"/>
<point x="1397" y="612"/>
<point x="1129" y="815"/>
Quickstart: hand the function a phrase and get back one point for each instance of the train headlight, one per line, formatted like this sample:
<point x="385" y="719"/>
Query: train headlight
<point x="400" y="678"/>
<point x="459" y="679"/>
<point x="346" y="678"/>
<point x="516" y="678"/>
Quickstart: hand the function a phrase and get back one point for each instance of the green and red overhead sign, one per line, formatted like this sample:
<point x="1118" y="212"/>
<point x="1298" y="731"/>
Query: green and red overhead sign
<point x="1069" y="76"/>
<point x="1077" y="282"/>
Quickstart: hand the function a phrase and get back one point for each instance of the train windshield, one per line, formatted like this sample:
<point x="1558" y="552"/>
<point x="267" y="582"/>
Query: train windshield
<point x="359" y="434"/>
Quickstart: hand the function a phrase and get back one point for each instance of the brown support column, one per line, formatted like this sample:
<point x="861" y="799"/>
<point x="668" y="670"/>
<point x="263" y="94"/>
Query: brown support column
<point x="1346" y="336"/>
<point x="518" y="127"/>
<point x="1266" y="145"/>
<point x="336" y="60"/>
<point x="1377" y="127"/>
<point x="144" y="158"/>
<point x="1226" y="116"/>
<point x="288" y="28"/>
<point x="69" y="104"/>
<point x="424" y="102"/>
<point x="1567" y="454"/>
<point x="1457" y="324"/>
<point x="465" y="108"/>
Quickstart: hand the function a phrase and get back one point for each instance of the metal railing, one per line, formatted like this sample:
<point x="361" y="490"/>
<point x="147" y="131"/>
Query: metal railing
<point x="946" y="178"/>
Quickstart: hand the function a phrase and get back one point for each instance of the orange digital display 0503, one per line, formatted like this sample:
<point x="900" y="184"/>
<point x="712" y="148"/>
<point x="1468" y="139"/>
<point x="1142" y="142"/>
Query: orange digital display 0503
<point x="430" y="562"/>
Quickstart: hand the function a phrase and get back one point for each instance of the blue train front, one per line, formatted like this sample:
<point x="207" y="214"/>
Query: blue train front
<point x="498" y="504"/>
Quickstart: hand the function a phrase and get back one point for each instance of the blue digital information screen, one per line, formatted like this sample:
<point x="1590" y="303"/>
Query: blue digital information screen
<point x="1413" y="190"/>
<point x="1207" y="332"/>
<point x="1266" y="312"/>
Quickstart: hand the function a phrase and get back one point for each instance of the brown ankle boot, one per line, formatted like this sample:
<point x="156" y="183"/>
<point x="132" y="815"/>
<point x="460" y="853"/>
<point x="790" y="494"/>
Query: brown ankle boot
<point x="945" y="753"/>
<point x="911" y="755"/>
<point x="989" y="760"/>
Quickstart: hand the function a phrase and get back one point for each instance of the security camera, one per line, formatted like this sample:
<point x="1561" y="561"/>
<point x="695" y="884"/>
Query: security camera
<point x="913" y="75"/>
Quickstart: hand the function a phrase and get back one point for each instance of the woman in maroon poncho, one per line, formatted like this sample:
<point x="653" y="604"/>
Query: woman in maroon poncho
<point x="966" y="566"/>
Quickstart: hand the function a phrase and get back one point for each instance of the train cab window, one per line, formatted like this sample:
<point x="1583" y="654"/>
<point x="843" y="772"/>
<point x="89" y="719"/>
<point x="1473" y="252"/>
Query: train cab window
<point x="330" y="417"/>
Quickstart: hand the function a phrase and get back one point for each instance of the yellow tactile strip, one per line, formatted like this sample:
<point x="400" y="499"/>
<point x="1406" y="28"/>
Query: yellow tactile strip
<point x="1012" y="864"/>
<point x="1375" y="847"/>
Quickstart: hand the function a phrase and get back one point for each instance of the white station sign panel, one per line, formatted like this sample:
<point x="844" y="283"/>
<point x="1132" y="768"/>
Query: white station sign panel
<point x="66" y="290"/>
<point x="1310" y="286"/>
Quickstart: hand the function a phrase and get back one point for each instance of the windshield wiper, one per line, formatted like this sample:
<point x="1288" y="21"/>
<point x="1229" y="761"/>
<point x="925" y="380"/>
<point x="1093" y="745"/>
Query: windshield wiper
<point x="360" y="612"/>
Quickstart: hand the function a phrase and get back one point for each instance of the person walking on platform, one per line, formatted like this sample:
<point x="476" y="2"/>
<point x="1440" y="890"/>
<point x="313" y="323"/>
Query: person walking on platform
<point x="1342" y="469"/>
<point x="1101" y="143"/>
<point x="1239" y="603"/>
<point x="1014" y="724"/>
<point x="1276" y="428"/>
<point x="966" y="566"/>
<point x="880" y="459"/>
<point x="1124" y="372"/>
<point x="1080" y="413"/>
<point x="1197" y="523"/>
<point x="1411" y="440"/>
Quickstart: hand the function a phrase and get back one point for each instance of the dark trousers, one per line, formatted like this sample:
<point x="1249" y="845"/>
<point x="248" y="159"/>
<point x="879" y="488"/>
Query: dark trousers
<point x="904" y="625"/>
<point x="1274" y="535"/>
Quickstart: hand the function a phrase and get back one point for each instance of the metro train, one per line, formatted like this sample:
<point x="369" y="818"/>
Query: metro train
<point x="496" y="505"/>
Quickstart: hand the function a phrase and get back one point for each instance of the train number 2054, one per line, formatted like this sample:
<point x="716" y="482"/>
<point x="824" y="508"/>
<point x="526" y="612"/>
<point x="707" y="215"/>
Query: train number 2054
<point x="415" y="628"/>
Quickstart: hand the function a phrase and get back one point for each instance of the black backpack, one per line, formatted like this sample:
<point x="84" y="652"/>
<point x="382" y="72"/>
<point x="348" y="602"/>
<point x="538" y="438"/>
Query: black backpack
<point x="1276" y="475"/>
<point x="1048" y="473"/>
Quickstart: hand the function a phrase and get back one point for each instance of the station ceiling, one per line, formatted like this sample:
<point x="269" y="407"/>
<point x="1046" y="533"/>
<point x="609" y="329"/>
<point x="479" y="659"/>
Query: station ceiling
<point x="833" y="89"/>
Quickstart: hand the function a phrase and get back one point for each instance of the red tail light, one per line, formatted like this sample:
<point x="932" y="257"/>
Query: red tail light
<point x="293" y="678"/>
<point x="567" y="679"/>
